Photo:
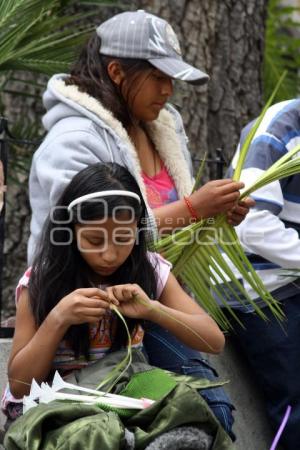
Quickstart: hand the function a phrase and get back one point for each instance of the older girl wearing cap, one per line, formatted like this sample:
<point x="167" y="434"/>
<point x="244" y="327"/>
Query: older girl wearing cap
<point x="112" y="107"/>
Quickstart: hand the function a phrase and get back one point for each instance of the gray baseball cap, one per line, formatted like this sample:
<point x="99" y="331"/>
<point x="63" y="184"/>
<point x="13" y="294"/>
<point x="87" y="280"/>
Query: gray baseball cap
<point x="140" y="35"/>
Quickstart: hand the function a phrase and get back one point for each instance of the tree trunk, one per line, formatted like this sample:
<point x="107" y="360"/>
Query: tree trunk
<point x="17" y="219"/>
<point x="24" y="110"/>
<point x="225" y="39"/>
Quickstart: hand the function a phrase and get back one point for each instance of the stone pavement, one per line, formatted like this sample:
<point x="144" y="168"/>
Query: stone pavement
<point x="251" y="426"/>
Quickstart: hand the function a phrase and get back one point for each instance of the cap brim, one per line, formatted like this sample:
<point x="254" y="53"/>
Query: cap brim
<point x="179" y="70"/>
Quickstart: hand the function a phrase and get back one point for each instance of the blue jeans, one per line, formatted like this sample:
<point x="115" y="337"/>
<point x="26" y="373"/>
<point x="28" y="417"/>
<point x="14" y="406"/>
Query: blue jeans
<point x="166" y="352"/>
<point x="273" y="352"/>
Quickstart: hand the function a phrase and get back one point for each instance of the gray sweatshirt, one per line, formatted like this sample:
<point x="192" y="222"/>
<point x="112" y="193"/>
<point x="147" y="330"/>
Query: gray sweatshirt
<point x="82" y="132"/>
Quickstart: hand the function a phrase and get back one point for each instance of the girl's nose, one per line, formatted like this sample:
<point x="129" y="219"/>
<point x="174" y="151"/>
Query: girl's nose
<point x="109" y="255"/>
<point x="167" y="87"/>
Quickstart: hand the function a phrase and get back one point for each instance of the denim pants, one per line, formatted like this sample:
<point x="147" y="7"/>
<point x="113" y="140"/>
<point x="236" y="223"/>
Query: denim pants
<point x="165" y="351"/>
<point x="273" y="352"/>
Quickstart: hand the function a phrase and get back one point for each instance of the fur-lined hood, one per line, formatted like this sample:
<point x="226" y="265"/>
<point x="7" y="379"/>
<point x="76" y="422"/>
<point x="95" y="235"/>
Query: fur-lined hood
<point x="166" y="132"/>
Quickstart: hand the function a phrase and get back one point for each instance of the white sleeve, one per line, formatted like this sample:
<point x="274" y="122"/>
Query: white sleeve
<point x="162" y="269"/>
<point x="264" y="234"/>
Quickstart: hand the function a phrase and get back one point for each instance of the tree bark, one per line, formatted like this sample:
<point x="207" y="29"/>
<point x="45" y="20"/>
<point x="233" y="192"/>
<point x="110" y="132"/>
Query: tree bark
<point x="223" y="38"/>
<point x="17" y="220"/>
<point x="20" y="111"/>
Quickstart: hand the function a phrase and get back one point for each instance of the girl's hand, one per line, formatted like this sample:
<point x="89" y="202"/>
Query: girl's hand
<point x="216" y="197"/>
<point x="86" y="305"/>
<point x="238" y="213"/>
<point x="133" y="301"/>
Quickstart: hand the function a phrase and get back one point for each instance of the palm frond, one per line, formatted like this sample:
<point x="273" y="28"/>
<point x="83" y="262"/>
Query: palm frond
<point x="200" y="173"/>
<point x="35" y="36"/>
<point x="250" y="136"/>
<point x="286" y="166"/>
<point x="212" y="267"/>
<point x="209" y="258"/>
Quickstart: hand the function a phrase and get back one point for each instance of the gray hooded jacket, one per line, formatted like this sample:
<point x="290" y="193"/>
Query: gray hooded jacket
<point x="82" y="132"/>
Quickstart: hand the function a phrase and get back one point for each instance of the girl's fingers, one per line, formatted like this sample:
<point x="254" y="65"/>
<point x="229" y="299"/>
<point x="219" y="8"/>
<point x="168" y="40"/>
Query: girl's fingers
<point x="221" y="182"/>
<point x="109" y="300"/>
<point x="234" y="218"/>
<point x="92" y="292"/>
<point x="240" y="210"/>
<point x="248" y="202"/>
<point x="231" y="187"/>
<point x="122" y="292"/>
<point x="230" y="198"/>
<point x="111" y="296"/>
<point x="94" y="312"/>
<point x="95" y="302"/>
<point x="128" y="293"/>
<point x="226" y="207"/>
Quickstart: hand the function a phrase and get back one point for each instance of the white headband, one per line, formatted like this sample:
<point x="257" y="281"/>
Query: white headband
<point x="103" y="194"/>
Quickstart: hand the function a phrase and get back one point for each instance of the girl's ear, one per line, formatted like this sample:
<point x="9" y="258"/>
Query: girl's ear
<point x="115" y="72"/>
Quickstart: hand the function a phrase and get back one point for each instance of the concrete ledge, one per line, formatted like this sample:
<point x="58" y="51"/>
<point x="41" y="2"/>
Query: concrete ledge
<point x="251" y="426"/>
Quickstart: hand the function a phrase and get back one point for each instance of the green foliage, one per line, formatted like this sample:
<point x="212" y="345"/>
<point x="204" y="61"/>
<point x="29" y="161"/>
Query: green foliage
<point x="40" y="36"/>
<point x="35" y="36"/>
<point x="282" y="52"/>
<point x="251" y="134"/>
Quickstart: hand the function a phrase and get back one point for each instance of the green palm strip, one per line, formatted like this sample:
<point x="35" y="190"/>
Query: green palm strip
<point x="124" y="364"/>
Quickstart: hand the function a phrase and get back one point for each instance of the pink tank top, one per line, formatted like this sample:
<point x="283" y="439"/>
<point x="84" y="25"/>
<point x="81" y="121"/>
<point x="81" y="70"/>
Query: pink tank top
<point x="160" y="188"/>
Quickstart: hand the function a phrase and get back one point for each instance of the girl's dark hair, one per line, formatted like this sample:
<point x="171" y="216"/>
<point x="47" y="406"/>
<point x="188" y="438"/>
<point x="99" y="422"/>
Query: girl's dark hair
<point x="58" y="267"/>
<point x="90" y="74"/>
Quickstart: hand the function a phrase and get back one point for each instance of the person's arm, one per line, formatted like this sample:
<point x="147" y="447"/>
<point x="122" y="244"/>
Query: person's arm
<point x="263" y="233"/>
<point x="215" y="197"/>
<point x="208" y="201"/>
<point x="34" y="348"/>
<point x="175" y="311"/>
<point x="174" y="303"/>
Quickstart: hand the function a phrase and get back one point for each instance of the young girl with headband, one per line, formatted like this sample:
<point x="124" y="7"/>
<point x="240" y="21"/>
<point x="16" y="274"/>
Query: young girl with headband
<point x="93" y="255"/>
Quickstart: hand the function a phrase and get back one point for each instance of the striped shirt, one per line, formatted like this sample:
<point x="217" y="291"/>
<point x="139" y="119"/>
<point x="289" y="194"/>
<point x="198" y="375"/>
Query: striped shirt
<point x="270" y="232"/>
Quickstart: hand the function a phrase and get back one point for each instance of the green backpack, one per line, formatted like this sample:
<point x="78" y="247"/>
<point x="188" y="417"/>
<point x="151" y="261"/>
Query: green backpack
<point x="70" y="426"/>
